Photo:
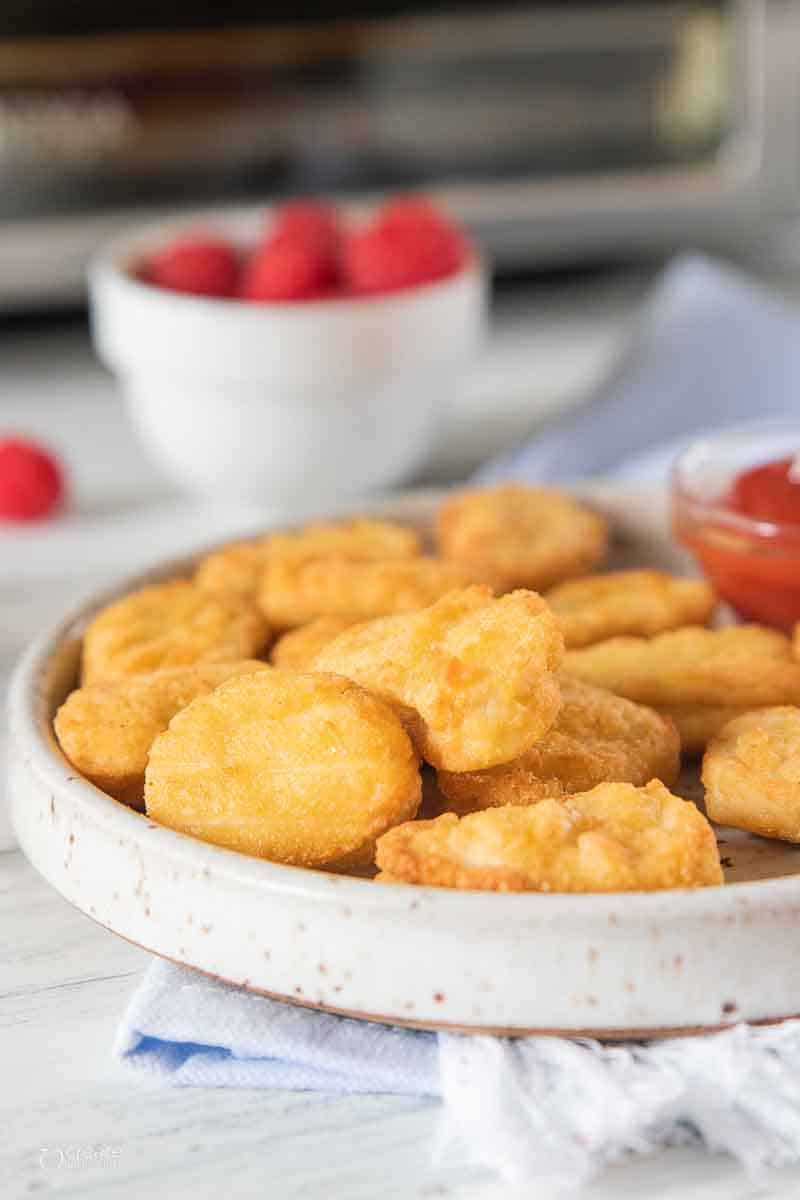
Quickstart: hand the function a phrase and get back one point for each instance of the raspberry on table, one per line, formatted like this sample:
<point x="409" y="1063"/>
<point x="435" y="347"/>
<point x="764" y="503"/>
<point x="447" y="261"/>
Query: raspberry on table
<point x="31" y="481"/>
<point x="289" y="267"/>
<point x="200" y="265"/>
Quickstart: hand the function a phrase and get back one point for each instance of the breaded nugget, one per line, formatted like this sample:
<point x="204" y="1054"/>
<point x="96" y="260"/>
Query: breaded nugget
<point x="171" y="625"/>
<point x="751" y="774"/>
<point x="742" y="665"/>
<point x="471" y="676"/>
<point x="698" y="724"/>
<point x="524" y="537"/>
<point x="360" y="539"/>
<point x="107" y="728"/>
<point x="614" y="838"/>
<point x="598" y="738"/>
<point x="296" y="768"/>
<point x="239" y="566"/>
<point x="640" y="603"/>
<point x="296" y="592"/>
<point x="296" y="650"/>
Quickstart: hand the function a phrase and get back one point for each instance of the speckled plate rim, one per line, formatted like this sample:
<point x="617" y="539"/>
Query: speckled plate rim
<point x="36" y="754"/>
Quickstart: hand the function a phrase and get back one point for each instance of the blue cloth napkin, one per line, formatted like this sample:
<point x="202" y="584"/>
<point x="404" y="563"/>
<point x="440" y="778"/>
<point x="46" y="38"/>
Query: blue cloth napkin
<point x="712" y="348"/>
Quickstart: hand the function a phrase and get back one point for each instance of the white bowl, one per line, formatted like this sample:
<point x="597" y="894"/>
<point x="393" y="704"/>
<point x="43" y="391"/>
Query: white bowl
<point x="282" y="402"/>
<point x="618" y="965"/>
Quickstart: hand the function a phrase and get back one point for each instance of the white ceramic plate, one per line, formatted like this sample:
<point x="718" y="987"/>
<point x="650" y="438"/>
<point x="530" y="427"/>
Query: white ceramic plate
<point x="613" y="965"/>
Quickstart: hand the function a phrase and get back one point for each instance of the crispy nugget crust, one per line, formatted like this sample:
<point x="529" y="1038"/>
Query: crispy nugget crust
<point x="107" y="728"/>
<point x="613" y="838"/>
<point x="170" y="625"/>
<point x="641" y="603"/>
<point x="240" y="566"/>
<point x="471" y="676"/>
<point x="524" y="537"/>
<point x="296" y="768"/>
<point x="751" y="773"/>
<point x="598" y="738"/>
<point x="296" y="650"/>
<point x="742" y="665"/>
<point x="296" y="592"/>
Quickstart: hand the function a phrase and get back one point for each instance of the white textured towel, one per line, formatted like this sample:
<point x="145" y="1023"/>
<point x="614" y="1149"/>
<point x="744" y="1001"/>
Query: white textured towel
<point x="541" y="1108"/>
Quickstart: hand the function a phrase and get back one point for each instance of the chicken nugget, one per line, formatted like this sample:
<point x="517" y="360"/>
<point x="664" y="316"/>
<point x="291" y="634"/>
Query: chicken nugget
<point x="296" y="650"/>
<point x="698" y="724"/>
<point x="641" y="603"/>
<point x="751" y="774"/>
<point x="236" y="568"/>
<point x="524" y="537"/>
<point x="359" y="539"/>
<point x="471" y="676"/>
<point x="614" y="838"/>
<point x="296" y="768"/>
<point x="107" y="728"/>
<point x="742" y="665"/>
<point x="598" y="738"/>
<point x="296" y="592"/>
<point x="240" y="566"/>
<point x="171" y="625"/>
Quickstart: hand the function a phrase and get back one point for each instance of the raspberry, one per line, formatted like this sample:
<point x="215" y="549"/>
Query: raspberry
<point x="412" y="212"/>
<point x="203" y="266"/>
<point x="385" y="258"/>
<point x="31" y="481"/>
<point x="307" y="220"/>
<point x="289" y="267"/>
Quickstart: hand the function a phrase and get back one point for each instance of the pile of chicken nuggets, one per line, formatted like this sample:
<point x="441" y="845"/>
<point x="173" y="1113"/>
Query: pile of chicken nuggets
<point x="289" y="698"/>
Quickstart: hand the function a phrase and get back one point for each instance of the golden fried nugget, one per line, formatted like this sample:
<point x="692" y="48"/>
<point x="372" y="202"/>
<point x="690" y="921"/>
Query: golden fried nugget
<point x="171" y="625"/>
<point x="360" y="539"/>
<point x="642" y="603"/>
<point x="296" y="650"/>
<point x="294" y="593"/>
<point x="614" y="838"/>
<point x="107" y="728"/>
<point x="524" y="537"/>
<point x="751" y="774"/>
<point x="598" y="738"/>
<point x="742" y="665"/>
<point x="471" y="676"/>
<point x="296" y="768"/>
<point x="237" y="568"/>
<point x="240" y="566"/>
<point x="698" y="724"/>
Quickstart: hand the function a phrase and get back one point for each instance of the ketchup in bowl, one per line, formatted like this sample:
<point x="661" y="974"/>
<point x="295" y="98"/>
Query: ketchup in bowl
<point x="736" y="507"/>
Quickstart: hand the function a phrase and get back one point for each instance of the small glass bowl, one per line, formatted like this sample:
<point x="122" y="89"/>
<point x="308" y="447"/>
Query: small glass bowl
<point x="753" y="564"/>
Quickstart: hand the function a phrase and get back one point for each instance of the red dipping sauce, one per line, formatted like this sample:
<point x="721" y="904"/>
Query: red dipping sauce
<point x="741" y="521"/>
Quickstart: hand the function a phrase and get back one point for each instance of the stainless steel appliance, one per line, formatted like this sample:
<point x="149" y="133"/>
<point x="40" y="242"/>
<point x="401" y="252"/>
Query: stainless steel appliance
<point x="559" y="131"/>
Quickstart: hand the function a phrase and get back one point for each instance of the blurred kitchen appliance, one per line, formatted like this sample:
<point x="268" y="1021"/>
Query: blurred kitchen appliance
<point x="560" y="132"/>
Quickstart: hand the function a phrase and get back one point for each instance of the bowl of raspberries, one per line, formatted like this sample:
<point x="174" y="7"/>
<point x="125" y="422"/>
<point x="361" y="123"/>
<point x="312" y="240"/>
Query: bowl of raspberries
<point x="295" y="356"/>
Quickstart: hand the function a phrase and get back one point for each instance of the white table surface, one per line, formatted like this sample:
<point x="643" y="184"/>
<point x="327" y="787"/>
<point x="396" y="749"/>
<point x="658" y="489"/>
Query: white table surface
<point x="64" y="981"/>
